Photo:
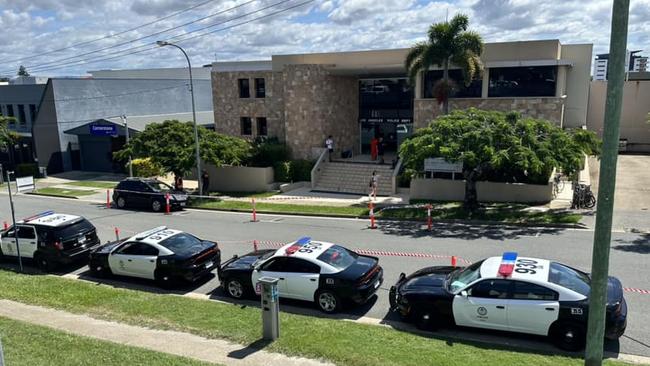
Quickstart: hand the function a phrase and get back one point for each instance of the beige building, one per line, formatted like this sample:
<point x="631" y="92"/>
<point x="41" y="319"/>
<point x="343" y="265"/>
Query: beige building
<point x="355" y="96"/>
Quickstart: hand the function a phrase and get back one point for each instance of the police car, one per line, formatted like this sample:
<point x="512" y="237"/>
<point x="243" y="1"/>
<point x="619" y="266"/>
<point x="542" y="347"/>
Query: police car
<point x="324" y="273"/>
<point x="508" y="293"/>
<point x="161" y="254"/>
<point x="50" y="239"/>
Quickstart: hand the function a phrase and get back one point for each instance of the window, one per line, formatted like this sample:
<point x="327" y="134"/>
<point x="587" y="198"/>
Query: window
<point x="296" y="265"/>
<point x="246" y="126"/>
<point x="260" y="89"/>
<point x="461" y="278"/>
<point x="10" y="112"/>
<point x="460" y="90"/>
<point x="32" y="112"/>
<point x="569" y="278"/>
<point x="183" y="244"/>
<point x="157" y="186"/>
<point x="338" y="257"/>
<point x="73" y="229"/>
<point x="261" y="127"/>
<point x="529" y="291"/>
<point x="139" y="249"/>
<point x="275" y="265"/>
<point x="491" y="289"/>
<point x="538" y="81"/>
<point x="244" y="88"/>
<point x="26" y="232"/>
<point x="21" y="114"/>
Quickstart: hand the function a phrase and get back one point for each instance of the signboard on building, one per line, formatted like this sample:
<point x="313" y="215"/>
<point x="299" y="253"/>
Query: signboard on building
<point x="103" y="130"/>
<point x="24" y="184"/>
<point x="440" y="165"/>
<point x="386" y="120"/>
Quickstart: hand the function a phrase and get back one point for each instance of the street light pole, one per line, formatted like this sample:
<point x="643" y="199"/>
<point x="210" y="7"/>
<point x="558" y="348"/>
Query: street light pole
<point x="126" y="128"/>
<point x="13" y="219"/>
<point x="196" y="130"/>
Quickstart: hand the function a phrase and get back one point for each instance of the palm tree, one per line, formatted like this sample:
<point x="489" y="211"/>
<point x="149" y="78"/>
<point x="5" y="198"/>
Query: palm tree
<point x="449" y="43"/>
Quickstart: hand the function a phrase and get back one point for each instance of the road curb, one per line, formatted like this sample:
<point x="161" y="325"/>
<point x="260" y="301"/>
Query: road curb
<point x="51" y="195"/>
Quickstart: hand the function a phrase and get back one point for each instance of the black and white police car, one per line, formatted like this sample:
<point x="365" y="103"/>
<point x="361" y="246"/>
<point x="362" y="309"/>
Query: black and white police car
<point x="50" y="239"/>
<point x="161" y="254"/>
<point x="327" y="274"/>
<point x="508" y="293"/>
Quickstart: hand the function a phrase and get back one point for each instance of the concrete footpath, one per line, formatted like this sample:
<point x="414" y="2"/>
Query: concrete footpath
<point x="171" y="342"/>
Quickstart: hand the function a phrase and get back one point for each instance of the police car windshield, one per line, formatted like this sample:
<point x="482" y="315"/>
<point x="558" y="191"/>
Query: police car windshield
<point x="338" y="257"/>
<point x="569" y="278"/>
<point x="460" y="279"/>
<point x="183" y="244"/>
<point x="159" y="186"/>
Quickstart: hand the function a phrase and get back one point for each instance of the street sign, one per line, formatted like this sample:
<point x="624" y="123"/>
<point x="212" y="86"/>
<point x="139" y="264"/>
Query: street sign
<point x="103" y="130"/>
<point x="24" y="184"/>
<point x="441" y="165"/>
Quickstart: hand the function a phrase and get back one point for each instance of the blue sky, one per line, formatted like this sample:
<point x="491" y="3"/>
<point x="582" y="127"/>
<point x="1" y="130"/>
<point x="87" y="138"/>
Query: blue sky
<point x="33" y="29"/>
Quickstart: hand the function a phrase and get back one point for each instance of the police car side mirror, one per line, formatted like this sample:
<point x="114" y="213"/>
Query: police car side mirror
<point x="463" y="293"/>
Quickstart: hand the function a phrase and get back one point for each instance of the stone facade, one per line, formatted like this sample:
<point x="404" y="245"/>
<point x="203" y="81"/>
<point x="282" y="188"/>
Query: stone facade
<point x="318" y="104"/>
<point x="229" y="108"/>
<point x="548" y="108"/>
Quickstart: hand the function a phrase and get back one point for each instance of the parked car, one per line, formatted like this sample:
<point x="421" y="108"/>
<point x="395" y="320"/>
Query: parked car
<point x="508" y="293"/>
<point x="320" y="272"/>
<point x="147" y="193"/>
<point x="50" y="239"/>
<point x="164" y="255"/>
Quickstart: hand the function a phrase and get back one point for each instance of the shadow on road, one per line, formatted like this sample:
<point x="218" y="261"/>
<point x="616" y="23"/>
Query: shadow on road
<point x="639" y="245"/>
<point x="463" y="231"/>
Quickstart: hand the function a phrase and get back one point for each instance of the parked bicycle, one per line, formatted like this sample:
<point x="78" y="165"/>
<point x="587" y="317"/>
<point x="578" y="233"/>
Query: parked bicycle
<point x="558" y="184"/>
<point x="583" y="197"/>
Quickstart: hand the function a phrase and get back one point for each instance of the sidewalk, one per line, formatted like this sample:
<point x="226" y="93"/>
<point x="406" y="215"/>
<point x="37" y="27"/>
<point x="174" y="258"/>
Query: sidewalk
<point x="176" y="343"/>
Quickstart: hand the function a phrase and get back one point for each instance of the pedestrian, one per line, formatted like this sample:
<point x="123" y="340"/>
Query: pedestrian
<point x="329" y="143"/>
<point x="374" y="178"/>
<point x="178" y="182"/>
<point x="380" y="149"/>
<point x="373" y="148"/>
<point x="205" y="182"/>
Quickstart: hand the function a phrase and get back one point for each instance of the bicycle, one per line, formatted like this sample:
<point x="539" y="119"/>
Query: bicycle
<point x="583" y="197"/>
<point x="558" y="184"/>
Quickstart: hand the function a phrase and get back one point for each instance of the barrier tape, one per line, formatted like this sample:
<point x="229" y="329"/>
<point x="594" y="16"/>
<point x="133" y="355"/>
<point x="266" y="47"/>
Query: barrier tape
<point x="636" y="290"/>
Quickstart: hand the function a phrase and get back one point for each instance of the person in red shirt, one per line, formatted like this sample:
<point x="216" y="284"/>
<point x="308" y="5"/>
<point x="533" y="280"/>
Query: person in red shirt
<point x="374" y="148"/>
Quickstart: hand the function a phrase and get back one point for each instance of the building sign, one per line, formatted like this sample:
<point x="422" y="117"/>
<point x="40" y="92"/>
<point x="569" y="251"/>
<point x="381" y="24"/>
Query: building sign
<point x="386" y="120"/>
<point x="103" y="130"/>
<point x="441" y="165"/>
<point x="24" y="184"/>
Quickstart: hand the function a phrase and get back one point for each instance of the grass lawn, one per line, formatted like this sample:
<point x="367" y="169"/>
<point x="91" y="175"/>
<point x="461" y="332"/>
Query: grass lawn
<point x="246" y="194"/>
<point x="352" y="211"/>
<point x="62" y="192"/>
<point x="345" y="343"/>
<point x="501" y="212"/>
<point x="29" y="345"/>
<point x="93" y="184"/>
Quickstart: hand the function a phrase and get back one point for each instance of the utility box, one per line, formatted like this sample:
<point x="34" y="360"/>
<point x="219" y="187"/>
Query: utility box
<point x="270" y="308"/>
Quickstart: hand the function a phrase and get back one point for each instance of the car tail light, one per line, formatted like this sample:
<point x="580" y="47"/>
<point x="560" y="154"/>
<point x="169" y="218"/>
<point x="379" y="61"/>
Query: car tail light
<point x="58" y="245"/>
<point x="368" y="276"/>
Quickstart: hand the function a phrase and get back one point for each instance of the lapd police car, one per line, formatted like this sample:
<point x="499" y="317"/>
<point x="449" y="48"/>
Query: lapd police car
<point x="50" y="239"/>
<point x="160" y="254"/>
<point x="508" y="293"/>
<point x="324" y="273"/>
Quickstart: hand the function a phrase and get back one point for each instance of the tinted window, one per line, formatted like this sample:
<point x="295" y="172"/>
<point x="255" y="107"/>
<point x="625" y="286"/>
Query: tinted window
<point x="461" y="278"/>
<point x="158" y="186"/>
<point x="32" y="112"/>
<point x="246" y="126"/>
<point x="338" y="257"/>
<point x="244" y="88"/>
<point x="183" y="244"/>
<point x="459" y="89"/>
<point x="26" y="232"/>
<point x="21" y="114"/>
<point x="74" y="229"/>
<point x="261" y="126"/>
<point x="300" y="266"/>
<point x="491" y="289"/>
<point x="260" y="88"/>
<point x="127" y="185"/>
<point x="522" y="81"/>
<point x="570" y="278"/>
<point x="275" y="265"/>
<point x="139" y="249"/>
<point x="530" y="291"/>
<point x="10" y="110"/>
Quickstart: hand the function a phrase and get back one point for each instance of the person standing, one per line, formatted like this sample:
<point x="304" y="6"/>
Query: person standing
<point x="329" y="143"/>
<point x="373" y="148"/>
<point x="374" y="178"/>
<point x="205" y="182"/>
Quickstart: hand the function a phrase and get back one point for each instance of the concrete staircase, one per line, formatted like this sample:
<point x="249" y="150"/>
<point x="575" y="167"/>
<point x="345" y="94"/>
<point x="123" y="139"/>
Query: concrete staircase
<point x="348" y="177"/>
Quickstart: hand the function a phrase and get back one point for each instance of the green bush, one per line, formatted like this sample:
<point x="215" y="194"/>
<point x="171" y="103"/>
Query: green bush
<point x="25" y="170"/>
<point x="145" y="167"/>
<point x="267" y="152"/>
<point x="282" y="171"/>
<point x="301" y="170"/>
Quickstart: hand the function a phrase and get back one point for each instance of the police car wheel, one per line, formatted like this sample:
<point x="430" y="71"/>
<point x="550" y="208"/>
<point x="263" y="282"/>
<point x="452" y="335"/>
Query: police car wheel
<point x="164" y="280"/>
<point x="156" y="205"/>
<point x="327" y="301"/>
<point x="43" y="263"/>
<point x="423" y="320"/>
<point x="98" y="270"/>
<point x="121" y="202"/>
<point x="235" y="289"/>
<point x="568" y="336"/>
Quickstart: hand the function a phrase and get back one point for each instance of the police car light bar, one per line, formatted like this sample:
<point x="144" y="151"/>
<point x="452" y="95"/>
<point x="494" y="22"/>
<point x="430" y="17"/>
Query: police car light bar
<point x="147" y="233"/>
<point x="297" y="245"/>
<point x="507" y="264"/>
<point x="38" y="216"/>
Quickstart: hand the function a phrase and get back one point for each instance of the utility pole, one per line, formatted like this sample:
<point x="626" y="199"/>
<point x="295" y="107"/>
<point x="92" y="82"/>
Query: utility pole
<point x="607" y="185"/>
<point x="13" y="218"/>
<point x="126" y="130"/>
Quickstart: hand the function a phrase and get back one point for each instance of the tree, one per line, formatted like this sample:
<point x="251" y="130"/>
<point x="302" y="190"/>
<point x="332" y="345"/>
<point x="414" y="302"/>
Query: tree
<point x="22" y="71"/>
<point x="7" y="137"/>
<point x="170" y="145"/>
<point x="496" y="143"/>
<point x="448" y="43"/>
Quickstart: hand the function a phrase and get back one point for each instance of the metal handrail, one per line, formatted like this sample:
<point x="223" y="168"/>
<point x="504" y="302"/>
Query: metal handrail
<point x="316" y="170"/>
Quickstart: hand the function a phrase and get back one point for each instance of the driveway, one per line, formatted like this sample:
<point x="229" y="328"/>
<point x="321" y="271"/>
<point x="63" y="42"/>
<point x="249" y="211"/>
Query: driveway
<point x="632" y="198"/>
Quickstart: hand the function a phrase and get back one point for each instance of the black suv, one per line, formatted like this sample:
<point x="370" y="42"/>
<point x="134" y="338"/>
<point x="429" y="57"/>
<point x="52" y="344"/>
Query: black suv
<point x="149" y="193"/>
<point x="50" y="239"/>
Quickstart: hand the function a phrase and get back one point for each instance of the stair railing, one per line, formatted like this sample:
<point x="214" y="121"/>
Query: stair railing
<point x="316" y="171"/>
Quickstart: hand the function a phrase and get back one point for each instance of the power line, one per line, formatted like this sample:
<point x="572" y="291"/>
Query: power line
<point x="109" y="35"/>
<point x="119" y="55"/>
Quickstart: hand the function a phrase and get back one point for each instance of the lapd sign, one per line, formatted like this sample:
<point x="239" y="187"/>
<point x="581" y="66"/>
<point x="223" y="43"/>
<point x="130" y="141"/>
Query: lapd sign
<point x="24" y="184"/>
<point x="440" y="165"/>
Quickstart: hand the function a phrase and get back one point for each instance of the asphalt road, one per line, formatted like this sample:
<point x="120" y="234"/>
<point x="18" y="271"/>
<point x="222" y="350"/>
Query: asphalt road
<point x="630" y="255"/>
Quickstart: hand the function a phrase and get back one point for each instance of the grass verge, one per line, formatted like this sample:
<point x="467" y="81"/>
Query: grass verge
<point x="246" y="194"/>
<point x="500" y="212"/>
<point x="28" y="345"/>
<point x="351" y="211"/>
<point x="93" y="184"/>
<point x="63" y="192"/>
<point x="345" y="343"/>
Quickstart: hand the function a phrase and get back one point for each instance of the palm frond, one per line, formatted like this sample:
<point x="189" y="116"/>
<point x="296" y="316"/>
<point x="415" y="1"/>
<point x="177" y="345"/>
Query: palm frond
<point x="458" y="24"/>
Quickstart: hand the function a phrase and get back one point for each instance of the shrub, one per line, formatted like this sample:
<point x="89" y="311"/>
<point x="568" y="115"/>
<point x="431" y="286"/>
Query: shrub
<point x="301" y="170"/>
<point x="267" y="152"/>
<point x="145" y="167"/>
<point x="28" y="169"/>
<point x="282" y="171"/>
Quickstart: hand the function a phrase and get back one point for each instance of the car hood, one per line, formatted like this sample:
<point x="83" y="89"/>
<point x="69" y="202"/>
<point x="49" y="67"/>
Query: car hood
<point x="427" y="279"/>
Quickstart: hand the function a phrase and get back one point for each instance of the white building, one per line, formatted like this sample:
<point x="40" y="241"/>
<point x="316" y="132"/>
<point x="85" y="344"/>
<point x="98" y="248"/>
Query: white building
<point x="633" y="63"/>
<point x="640" y="64"/>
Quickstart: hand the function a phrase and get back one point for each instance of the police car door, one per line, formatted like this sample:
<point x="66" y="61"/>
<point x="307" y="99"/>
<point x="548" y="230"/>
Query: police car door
<point x="483" y="305"/>
<point x="8" y="243"/>
<point x="276" y="268"/>
<point x="533" y="308"/>
<point x="27" y="241"/>
<point x="134" y="259"/>
<point x="302" y="279"/>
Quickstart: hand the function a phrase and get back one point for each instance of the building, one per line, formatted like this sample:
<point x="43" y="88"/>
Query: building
<point x="78" y="125"/>
<point x="198" y="73"/>
<point x="354" y="96"/>
<point x="633" y="62"/>
<point x="640" y="64"/>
